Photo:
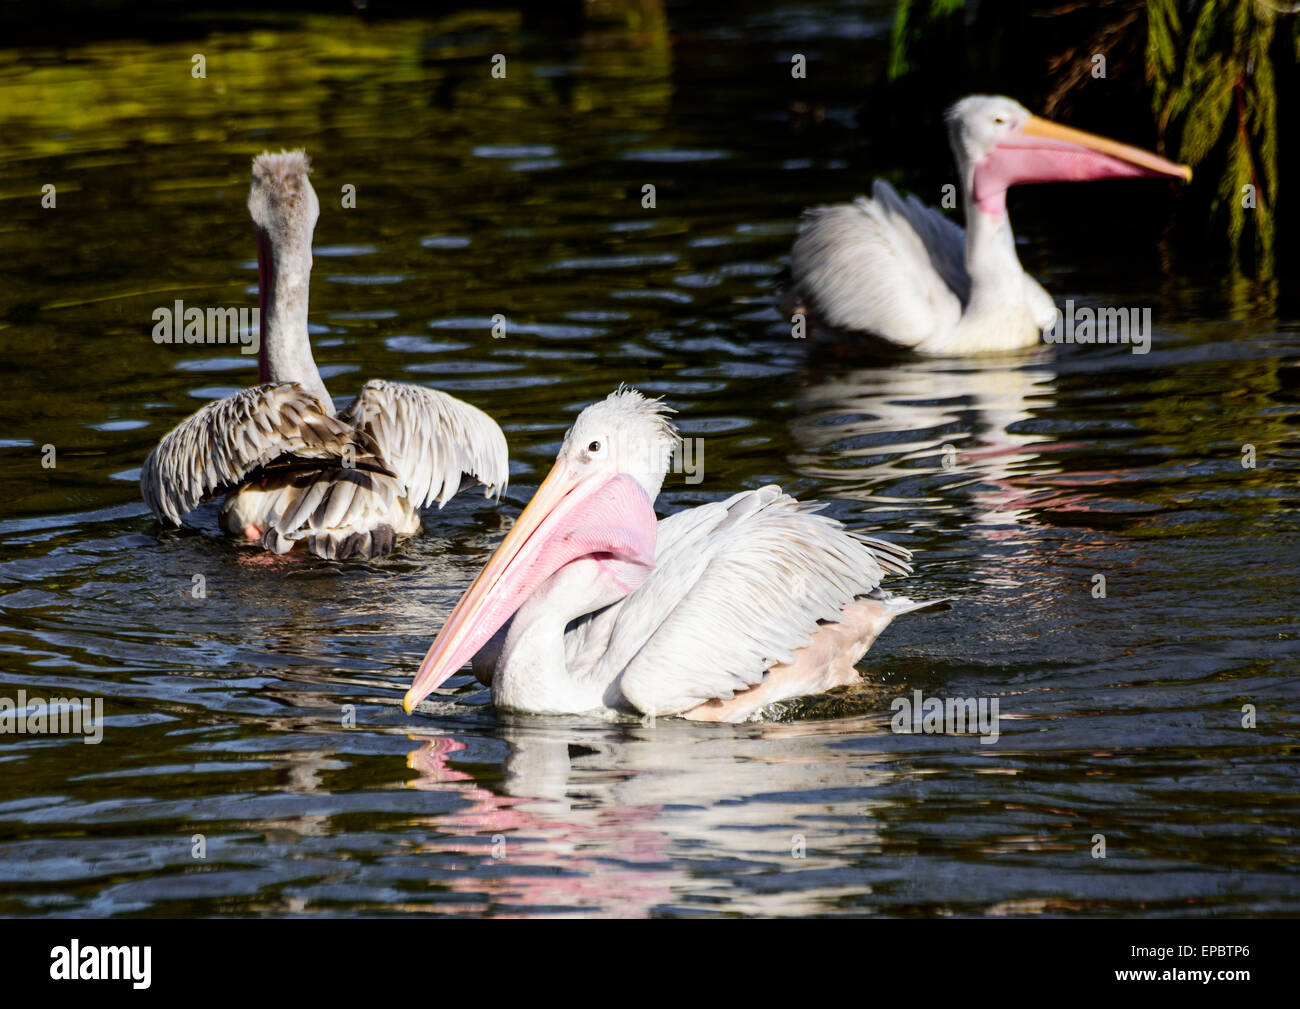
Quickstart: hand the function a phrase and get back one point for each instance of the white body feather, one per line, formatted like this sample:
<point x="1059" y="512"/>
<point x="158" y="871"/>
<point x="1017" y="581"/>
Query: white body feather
<point x="896" y="269"/>
<point x="740" y="589"/>
<point x="590" y="603"/>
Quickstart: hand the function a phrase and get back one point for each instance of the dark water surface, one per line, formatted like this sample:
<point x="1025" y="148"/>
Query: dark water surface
<point x="1121" y="716"/>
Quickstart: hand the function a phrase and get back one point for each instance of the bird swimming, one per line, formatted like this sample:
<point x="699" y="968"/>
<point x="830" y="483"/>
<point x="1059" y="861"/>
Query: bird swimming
<point x="712" y="613"/>
<point x="294" y="470"/>
<point x="904" y="273"/>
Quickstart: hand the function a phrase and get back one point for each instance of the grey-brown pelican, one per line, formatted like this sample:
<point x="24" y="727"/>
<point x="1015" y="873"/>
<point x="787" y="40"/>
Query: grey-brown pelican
<point x="293" y="469"/>
<point x="713" y="613"/>
<point x="907" y="275"/>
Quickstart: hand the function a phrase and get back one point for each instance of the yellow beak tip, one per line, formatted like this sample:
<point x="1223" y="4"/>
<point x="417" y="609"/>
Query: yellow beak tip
<point x="407" y="706"/>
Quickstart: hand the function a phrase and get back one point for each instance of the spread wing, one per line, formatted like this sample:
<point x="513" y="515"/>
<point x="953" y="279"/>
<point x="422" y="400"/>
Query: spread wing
<point x="435" y="443"/>
<point x="213" y="450"/>
<point x="738" y="586"/>
<point x="885" y="265"/>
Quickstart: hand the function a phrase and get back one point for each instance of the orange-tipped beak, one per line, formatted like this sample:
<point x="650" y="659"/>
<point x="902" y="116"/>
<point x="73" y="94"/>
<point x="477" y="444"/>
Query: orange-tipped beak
<point x="1043" y="151"/>
<point x="1154" y="163"/>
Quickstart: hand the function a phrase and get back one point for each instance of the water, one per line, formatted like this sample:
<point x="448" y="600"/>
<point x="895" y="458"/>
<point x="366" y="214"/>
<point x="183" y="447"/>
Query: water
<point x="1015" y="481"/>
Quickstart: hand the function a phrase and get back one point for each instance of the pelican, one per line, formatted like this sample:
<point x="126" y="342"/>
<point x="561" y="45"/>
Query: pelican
<point x="904" y="273"/>
<point x="712" y="613"/>
<point x="293" y="469"/>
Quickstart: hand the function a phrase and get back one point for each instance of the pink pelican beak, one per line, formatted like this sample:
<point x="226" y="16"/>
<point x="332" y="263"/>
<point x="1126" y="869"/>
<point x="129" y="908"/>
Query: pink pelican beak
<point x="1044" y="151"/>
<point x="573" y="515"/>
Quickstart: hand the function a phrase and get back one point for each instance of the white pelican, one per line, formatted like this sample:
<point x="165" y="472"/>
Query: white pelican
<point x="712" y="613"/>
<point x="347" y="483"/>
<point x="907" y="275"/>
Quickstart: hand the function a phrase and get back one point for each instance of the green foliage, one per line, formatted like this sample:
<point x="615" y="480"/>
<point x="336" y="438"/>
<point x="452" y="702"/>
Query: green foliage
<point x="912" y="21"/>
<point x="1213" y="89"/>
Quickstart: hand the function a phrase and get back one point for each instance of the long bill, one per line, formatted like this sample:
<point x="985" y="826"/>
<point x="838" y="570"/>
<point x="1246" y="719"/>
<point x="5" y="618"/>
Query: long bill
<point x="1044" y="151"/>
<point x="572" y="515"/>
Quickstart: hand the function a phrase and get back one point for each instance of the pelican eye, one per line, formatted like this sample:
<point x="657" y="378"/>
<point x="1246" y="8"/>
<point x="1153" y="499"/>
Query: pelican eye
<point x="594" y="447"/>
<point x="999" y="120"/>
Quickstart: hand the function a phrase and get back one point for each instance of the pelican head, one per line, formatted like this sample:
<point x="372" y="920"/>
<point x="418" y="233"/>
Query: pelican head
<point x="592" y="520"/>
<point x="281" y="199"/>
<point x="998" y="143"/>
<point x="623" y="433"/>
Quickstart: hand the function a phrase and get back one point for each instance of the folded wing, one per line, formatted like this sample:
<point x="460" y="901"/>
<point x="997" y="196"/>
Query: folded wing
<point x="738" y="586"/>
<point x="885" y="265"/>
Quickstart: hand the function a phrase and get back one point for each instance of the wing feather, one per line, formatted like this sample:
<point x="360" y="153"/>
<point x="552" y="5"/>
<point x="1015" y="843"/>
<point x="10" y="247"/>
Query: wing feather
<point x="339" y="510"/>
<point x="214" y="449"/>
<point x="432" y="441"/>
<point x="738" y="586"/>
